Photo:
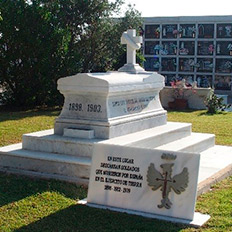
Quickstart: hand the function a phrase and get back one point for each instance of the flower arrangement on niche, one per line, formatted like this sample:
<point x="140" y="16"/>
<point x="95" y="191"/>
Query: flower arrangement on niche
<point x="180" y="88"/>
<point x="181" y="93"/>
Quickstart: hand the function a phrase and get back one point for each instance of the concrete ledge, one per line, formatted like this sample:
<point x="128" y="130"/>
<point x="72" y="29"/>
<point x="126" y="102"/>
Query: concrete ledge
<point x="205" y="185"/>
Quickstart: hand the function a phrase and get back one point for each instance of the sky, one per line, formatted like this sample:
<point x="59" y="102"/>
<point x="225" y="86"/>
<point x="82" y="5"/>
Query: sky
<point x="153" y="8"/>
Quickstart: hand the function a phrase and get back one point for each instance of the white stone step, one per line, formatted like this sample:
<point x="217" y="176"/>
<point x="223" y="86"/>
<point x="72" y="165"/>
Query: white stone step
<point x="213" y="160"/>
<point x="14" y="158"/>
<point x="196" y="142"/>
<point x="215" y="165"/>
<point x="153" y="137"/>
<point x="46" y="141"/>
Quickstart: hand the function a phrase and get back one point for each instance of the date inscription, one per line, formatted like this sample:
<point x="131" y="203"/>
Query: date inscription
<point x="79" y="107"/>
<point x="94" y="108"/>
<point x="75" y="107"/>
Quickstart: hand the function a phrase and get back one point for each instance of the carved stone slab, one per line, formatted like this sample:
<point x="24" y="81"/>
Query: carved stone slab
<point x="144" y="180"/>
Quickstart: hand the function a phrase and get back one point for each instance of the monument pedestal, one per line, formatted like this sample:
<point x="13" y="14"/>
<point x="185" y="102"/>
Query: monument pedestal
<point x="112" y="104"/>
<point x="47" y="155"/>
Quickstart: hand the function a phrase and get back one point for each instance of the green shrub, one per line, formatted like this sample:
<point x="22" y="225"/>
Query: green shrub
<point x="215" y="104"/>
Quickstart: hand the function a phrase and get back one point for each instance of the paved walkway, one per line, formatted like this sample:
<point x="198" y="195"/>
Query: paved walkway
<point x="215" y="165"/>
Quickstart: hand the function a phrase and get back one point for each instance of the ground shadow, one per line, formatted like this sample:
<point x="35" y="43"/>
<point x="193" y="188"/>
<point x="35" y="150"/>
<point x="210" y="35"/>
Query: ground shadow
<point x="76" y="217"/>
<point x="14" y="188"/>
<point x="85" y="219"/>
<point x="185" y="111"/>
<point x="210" y="114"/>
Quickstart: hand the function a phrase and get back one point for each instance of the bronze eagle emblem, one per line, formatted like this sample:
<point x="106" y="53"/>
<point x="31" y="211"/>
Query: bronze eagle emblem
<point x="166" y="182"/>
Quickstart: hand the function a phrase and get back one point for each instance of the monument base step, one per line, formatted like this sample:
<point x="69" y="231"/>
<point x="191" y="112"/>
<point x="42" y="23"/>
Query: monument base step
<point x="173" y="136"/>
<point x="46" y="162"/>
<point x="153" y="137"/>
<point x="196" y="142"/>
<point x="47" y="141"/>
<point x="47" y="165"/>
<point x="46" y="176"/>
<point x="215" y="165"/>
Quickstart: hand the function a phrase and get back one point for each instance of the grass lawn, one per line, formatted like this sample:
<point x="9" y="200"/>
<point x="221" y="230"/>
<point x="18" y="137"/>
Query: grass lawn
<point x="14" y="124"/>
<point x="41" y="205"/>
<point x="218" y="124"/>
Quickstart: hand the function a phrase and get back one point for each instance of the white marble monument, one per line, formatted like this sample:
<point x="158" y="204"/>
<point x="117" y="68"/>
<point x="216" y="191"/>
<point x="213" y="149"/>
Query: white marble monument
<point x="116" y="108"/>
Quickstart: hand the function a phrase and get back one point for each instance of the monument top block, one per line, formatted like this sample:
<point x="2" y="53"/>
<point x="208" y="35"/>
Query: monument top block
<point x="110" y="82"/>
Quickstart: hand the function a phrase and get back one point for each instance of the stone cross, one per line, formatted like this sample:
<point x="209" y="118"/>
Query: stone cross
<point x="133" y="43"/>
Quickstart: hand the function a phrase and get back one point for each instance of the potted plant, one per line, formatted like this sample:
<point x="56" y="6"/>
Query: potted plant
<point x="180" y="94"/>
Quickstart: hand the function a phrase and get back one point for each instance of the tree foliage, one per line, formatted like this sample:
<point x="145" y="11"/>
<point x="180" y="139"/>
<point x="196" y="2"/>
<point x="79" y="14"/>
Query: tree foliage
<point x="43" y="40"/>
